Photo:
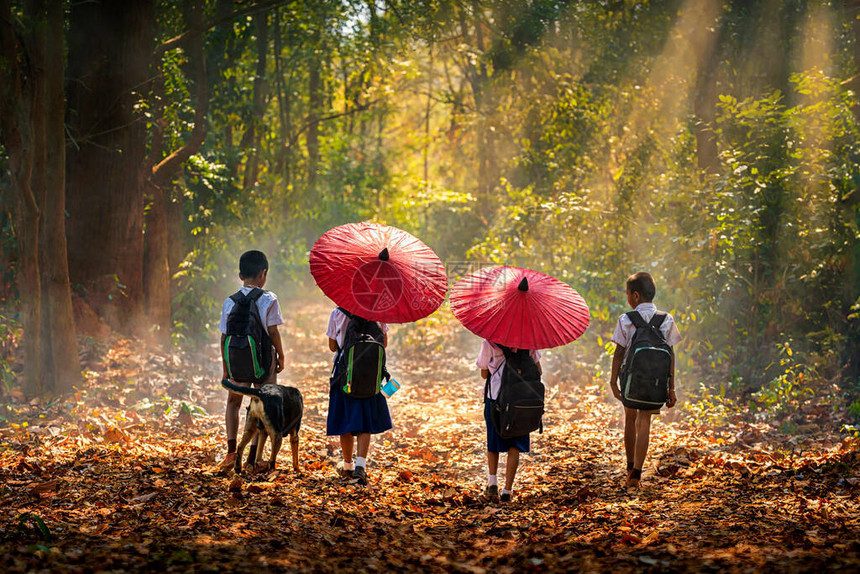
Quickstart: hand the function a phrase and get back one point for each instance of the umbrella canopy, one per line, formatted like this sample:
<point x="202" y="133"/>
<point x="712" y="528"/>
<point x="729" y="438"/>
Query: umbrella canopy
<point x="378" y="272"/>
<point x="519" y="308"/>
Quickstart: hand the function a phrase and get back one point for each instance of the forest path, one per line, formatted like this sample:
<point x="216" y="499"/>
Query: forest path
<point x="118" y="478"/>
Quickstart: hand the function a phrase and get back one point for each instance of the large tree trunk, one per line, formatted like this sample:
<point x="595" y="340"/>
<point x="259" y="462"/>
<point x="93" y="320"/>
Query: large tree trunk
<point x="110" y="50"/>
<point x="31" y="123"/>
<point x="16" y="129"/>
<point x="58" y="336"/>
<point x="36" y="24"/>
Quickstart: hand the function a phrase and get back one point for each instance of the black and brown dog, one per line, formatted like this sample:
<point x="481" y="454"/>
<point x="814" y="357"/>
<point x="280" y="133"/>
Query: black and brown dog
<point x="275" y="411"/>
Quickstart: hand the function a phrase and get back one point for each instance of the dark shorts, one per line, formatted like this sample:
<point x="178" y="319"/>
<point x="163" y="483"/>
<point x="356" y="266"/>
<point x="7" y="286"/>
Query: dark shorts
<point x="495" y="443"/>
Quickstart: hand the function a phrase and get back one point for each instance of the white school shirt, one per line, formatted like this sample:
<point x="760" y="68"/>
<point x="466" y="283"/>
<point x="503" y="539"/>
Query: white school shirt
<point x="267" y="304"/>
<point x="625" y="328"/>
<point x="492" y="358"/>
<point x="337" y="326"/>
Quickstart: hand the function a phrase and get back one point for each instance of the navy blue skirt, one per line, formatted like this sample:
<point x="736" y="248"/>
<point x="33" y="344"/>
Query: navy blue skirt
<point x="348" y="415"/>
<point x="495" y="443"/>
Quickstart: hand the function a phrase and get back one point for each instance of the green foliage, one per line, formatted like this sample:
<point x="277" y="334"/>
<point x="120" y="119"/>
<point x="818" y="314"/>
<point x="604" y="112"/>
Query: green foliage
<point x="30" y="524"/>
<point x="10" y="334"/>
<point x="787" y="391"/>
<point x="555" y="135"/>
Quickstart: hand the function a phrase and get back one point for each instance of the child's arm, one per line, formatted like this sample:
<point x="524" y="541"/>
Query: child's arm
<point x="672" y="397"/>
<point x="225" y="374"/>
<point x="275" y="336"/>
<point x="617" y="358"/>
<point x="332" y="345"/>
<point x="485" y="373"/>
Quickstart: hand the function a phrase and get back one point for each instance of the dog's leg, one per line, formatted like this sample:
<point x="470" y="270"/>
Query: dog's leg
<point x="247" y="436"/>
<point x="277" y="438"/>
<point x="264" y="434"/>
<point x="294" y="449"/>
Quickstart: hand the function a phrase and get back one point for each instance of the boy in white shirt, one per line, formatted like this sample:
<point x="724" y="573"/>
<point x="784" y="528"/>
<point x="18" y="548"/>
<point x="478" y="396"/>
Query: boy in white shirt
<point x="253" y="271"/>
<point x="637" y="422"/>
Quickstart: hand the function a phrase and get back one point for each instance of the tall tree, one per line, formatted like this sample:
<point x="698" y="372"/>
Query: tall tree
<point x="31" y="124"/>
<point x="58" y="335"/>
<point x="110" y="52"/>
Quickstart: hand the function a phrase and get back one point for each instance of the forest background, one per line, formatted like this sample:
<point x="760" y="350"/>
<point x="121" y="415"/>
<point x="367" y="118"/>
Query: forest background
<point x="714" y="144"/>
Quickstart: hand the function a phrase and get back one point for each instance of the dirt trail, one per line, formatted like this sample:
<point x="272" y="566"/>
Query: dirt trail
<point x="117" y="478"/>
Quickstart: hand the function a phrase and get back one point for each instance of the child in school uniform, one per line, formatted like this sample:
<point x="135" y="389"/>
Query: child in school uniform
<point x="353" y="420"/>
<point x="491" y="361"/>
<point x="637" y="422"/>
<point x="253" y="271"/>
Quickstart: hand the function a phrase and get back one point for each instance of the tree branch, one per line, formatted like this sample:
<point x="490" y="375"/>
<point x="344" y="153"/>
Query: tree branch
<point x="162" y="172"/>
<point x="197" y="31"/>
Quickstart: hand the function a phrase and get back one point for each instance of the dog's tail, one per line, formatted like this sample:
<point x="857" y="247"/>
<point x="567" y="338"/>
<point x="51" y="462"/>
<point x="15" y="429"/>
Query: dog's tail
<point x="250" y="391"/>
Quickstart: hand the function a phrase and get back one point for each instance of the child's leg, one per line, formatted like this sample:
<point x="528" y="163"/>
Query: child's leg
<point x="231" y="418"/>
<point x="511" y="467"/>
<point x="630" y="436"/>
<point x="347" y="445"/>
<point x="492" y="463"/>
<point x="643" y="435"/>
<point x="363" y="448"/>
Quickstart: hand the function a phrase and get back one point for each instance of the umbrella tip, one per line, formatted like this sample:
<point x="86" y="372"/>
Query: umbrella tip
<point x="524" y="284"/>
<point x="383" y="255"/>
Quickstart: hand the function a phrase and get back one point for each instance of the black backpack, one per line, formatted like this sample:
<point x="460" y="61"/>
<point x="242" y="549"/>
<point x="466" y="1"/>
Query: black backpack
<point x="360" y="367"/>
<point x="519" y="408"/>
<point x="247" y="348"/>
<point x="647" y="365"/>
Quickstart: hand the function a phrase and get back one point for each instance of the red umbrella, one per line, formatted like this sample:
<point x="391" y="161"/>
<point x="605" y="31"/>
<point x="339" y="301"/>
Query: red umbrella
<point x="378" y="272"/>
<point x="519" y="308"/>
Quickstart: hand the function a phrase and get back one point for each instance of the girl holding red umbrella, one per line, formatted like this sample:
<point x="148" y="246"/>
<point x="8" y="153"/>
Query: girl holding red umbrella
<point x="491" y="361"/>
<point x="520" y="309"/>
<point x="379" y="274"/>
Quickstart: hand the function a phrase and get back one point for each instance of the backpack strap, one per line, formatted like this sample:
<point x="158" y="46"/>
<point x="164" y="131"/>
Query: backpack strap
<point x="253" y="295"/>
<point x="657" y="320"/>
<point x="636" y="319"/>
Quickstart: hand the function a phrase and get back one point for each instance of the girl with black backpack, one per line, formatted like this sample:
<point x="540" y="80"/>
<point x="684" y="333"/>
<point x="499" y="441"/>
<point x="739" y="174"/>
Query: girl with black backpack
<point x="503" y="369"/>
<point x="356" y="408"/>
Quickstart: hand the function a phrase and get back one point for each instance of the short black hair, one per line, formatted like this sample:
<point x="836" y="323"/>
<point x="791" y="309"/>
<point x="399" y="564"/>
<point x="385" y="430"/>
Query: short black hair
<point x="643" y="284"/>
<point x="252" y="263"/>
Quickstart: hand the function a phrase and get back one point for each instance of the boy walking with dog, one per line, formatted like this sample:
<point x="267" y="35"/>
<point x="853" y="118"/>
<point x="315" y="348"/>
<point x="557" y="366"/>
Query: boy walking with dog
<point x="643" y="369"/>
<point x="251" y="348"/>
